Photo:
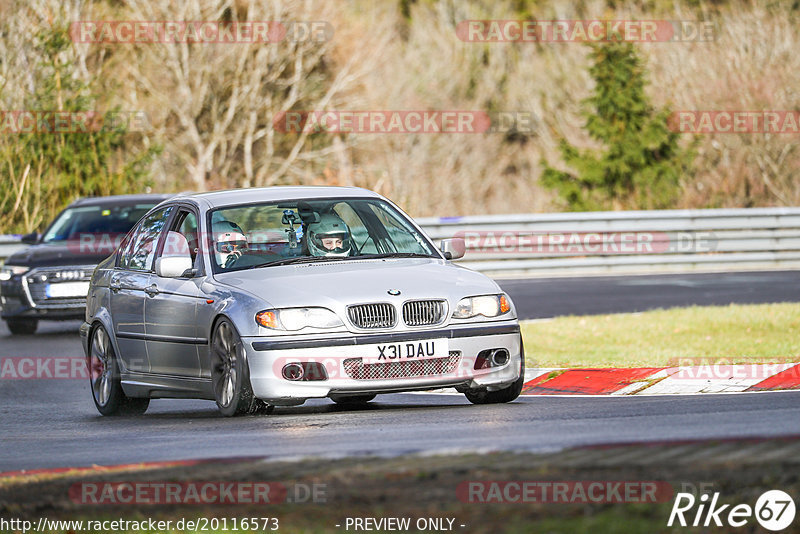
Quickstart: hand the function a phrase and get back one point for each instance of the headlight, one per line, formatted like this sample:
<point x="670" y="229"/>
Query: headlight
<point x="8" y="271"/>
<point x="64" y="275"/>
<point x="72" y="274"/>
<point x="486" y="305"/>
<point x="298" y="318"/>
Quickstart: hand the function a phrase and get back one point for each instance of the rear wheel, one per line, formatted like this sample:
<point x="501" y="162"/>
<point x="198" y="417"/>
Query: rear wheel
<point x="230" y="374"/>
<point x="352" y="400"/>
<point x="507" y="394"/>
<point x="22" y="327"/>
<point x="104" y="379"/>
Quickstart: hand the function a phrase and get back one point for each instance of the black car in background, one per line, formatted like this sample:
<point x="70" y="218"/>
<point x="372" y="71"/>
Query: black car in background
<point x="50" y="279"/>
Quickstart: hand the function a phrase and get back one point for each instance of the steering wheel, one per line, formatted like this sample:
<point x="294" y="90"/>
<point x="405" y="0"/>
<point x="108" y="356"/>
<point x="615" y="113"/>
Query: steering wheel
<point x="232" y="258"/>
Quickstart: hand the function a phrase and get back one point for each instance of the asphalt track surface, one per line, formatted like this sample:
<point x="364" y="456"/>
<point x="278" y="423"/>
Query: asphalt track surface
<point x="552" y="297"/>
<point x="53" y="423"/>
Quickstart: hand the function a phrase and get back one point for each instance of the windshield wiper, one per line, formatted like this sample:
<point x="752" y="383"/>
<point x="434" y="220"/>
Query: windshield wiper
<point x="299" y="259"/>
<point x="396" y="255"/>
<point x="316" y="259"/>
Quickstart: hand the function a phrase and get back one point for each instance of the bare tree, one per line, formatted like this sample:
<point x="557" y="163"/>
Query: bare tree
<point x="215" y="102"/>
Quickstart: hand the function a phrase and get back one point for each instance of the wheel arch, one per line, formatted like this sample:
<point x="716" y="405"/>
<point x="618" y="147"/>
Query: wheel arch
<point x="102" y="319"/>
<point x="220" y="316"/>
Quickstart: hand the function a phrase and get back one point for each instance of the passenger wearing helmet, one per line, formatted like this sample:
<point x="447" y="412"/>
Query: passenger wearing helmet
<point x="329" y="237"/>
<point x="229" y="244"/>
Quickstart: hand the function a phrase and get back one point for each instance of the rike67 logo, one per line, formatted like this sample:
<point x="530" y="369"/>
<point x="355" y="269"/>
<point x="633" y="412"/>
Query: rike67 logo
<point x="774" y="510"/>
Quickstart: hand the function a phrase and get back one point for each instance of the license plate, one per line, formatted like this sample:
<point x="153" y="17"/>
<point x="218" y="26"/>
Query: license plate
<point x="66" y="289"/>
<point x="406" y="351"/>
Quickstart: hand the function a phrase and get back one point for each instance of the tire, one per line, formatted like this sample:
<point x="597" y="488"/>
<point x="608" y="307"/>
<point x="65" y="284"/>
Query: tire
<point x="507" y="394"/>
<point x="22" y="327"/>
<point x="104" y="379"/>
<point x="352" y="400"/>
<point x="230" y="374"/>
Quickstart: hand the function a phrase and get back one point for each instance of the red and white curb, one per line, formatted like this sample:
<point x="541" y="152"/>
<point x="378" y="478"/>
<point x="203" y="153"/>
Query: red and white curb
<point x="662" y="380"/>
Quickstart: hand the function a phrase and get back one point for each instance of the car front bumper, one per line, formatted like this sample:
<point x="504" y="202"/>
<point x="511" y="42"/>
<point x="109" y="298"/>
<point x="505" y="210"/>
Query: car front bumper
<point x="346" y="375"/>
<point x="21" y="299"/>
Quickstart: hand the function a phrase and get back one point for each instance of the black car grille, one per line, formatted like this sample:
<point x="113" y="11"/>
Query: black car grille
<point x="368" y="316"/>
<point x="424" y="312"/>
<point x="38" y="279"/>
<point x="357" y="370"/>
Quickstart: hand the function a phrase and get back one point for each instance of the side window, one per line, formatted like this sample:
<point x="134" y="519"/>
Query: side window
<point x="184" y="224"/>
<point x="140" y="250"/>
<point x="188" y="228"/>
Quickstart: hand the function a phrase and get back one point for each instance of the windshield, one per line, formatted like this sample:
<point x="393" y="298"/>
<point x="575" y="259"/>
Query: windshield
<point x="268" y="234"/>
<point x="73" y="223"/>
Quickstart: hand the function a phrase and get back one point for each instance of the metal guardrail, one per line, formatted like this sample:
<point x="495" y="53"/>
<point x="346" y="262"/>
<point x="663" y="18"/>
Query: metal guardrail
<point x="614" y="241"/>
<point x="9" y="244"/>
<point x="626" y="241"/>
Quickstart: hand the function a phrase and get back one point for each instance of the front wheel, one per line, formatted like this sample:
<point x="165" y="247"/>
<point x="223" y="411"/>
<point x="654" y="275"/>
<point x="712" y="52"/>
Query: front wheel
<point x="105" y="382"/>
<point x="507" y="394"/>
<point x="230" y="374"/>
<point x="22" y="327"/>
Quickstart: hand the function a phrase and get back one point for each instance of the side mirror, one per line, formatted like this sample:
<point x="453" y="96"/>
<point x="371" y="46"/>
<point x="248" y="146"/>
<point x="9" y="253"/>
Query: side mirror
<point x="454" y="248"/>
<point x="30" y="239"/>
<point x="174" y="266"/>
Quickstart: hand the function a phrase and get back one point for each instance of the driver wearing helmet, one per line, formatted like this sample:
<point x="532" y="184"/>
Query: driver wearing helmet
<point x="229" y="244"/>
<point x="329" y="237"/>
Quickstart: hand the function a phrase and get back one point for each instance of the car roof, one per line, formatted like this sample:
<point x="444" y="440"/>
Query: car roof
<point x="123" y="200"/>
<point x="230" y="197"/>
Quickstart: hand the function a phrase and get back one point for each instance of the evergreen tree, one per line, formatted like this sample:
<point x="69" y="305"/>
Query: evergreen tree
<point x="642" y="164"/>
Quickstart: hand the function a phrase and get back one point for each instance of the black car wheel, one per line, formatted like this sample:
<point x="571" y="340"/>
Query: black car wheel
<point x="104" y="379"/>
<point x="22" y="327"/>
<point x="230" y="374"/>
<point x="507" y="394"/>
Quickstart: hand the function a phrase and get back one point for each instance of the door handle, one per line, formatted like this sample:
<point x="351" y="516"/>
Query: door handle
<point x="152" y="290"/>
<point x="114" y="285"/>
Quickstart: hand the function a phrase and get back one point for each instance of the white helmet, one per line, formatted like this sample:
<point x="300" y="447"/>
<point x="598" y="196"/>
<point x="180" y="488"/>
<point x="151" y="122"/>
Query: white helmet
<point x="329" y="230"/>
<point x="229" y="244"/>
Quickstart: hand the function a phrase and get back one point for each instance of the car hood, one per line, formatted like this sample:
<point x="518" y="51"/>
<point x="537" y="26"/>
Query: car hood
<point x="359" y="281"/>
<point x="61" y="253"/>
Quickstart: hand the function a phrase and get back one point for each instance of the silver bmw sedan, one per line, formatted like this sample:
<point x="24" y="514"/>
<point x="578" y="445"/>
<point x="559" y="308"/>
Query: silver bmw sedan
<point x="257" y="298"/>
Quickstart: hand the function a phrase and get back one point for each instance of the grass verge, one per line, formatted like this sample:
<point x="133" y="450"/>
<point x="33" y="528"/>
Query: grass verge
<point x="761" y="333"/>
